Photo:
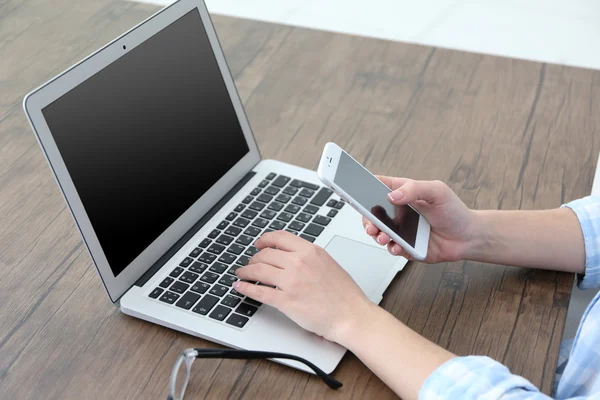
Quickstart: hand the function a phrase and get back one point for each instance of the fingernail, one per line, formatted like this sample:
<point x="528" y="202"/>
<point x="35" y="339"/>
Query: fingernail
<point x="396" y="195"/>
<point x="395" y="249"/>
<point x="379" y="240"/>
<point x="236" y="284"/>
<point x="367" y="228"/>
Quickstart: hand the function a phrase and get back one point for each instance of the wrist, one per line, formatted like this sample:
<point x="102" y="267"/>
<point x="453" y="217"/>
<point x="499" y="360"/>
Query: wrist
<point x="352" y="327"/>
<point x="478" y="239"/>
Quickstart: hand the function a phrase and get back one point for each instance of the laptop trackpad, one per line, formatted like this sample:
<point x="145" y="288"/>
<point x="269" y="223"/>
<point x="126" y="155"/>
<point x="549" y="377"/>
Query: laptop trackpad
<point x="368" y="265"/>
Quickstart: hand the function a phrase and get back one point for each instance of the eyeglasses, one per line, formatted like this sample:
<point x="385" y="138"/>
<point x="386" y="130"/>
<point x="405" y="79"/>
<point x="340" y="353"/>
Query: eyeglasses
<point x="177" y="389"/>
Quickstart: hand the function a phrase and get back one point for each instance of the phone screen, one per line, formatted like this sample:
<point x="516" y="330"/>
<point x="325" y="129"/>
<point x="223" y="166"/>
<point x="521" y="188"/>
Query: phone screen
<point x="371" y="193"/>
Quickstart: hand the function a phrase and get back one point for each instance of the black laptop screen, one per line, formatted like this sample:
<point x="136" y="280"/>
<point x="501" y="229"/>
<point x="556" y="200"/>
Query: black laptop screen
<point x="147" y="136"/>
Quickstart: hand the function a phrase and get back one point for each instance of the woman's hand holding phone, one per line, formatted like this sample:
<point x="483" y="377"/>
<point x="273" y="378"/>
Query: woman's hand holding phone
<point x="452" y="222"/>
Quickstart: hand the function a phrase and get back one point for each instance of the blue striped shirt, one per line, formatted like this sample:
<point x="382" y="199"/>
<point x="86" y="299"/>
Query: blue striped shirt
<point x="478" y="377"/>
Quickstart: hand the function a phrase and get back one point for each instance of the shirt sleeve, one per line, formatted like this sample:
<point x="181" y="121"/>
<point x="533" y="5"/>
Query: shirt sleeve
<point x="477" y="377"/>
<point x="588" y="213"/>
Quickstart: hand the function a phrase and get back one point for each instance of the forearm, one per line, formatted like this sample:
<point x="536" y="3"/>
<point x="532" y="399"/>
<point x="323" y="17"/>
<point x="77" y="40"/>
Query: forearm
<point x="550" y="239"/>
<point x="400" y="357"/>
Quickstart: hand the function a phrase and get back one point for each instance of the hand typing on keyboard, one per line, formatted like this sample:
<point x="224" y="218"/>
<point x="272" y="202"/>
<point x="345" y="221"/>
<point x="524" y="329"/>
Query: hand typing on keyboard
<point x="312" y="289"/>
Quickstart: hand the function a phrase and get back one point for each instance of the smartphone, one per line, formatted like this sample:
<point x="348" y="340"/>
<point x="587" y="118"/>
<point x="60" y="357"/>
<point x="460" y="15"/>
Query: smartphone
<point x="369" y="196"/>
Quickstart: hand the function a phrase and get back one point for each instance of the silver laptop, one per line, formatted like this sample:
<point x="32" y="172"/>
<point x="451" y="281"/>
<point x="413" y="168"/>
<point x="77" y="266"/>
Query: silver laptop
<point x="149" y="143"/>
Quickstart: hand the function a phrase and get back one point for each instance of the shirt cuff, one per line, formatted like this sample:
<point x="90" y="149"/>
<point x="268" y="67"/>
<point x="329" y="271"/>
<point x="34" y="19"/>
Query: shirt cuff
<point x="587" y="210"/>
<point x="473" y="377"/>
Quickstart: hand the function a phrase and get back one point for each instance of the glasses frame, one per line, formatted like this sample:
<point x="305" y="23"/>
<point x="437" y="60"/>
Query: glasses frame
<point x="189" y="355"/>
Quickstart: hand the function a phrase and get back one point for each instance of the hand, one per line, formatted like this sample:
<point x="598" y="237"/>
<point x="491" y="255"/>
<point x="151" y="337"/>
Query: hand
<point x="452" y="222"/>
<point x="311" y="288"/>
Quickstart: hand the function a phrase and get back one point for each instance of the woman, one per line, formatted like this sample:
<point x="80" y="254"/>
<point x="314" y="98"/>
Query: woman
<point x="320" y="296"/>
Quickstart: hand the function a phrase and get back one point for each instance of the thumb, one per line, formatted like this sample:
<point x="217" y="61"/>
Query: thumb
<point x="411" y="191"/>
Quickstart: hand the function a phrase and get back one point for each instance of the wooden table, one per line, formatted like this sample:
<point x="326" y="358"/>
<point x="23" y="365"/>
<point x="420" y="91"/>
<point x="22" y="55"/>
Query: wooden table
<point x="503" y="133"/>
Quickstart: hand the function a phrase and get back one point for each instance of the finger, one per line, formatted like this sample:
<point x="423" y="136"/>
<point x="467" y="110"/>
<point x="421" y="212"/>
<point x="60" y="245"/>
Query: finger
<point x="383" y="238"/>
<point x="392" y="182"/>
<point x="395" y="249"/>
<point x="274" y="257"/>
<point x="264" y="294"/>
<point x="372" y="230"/>
<point x="260" y="272"/>
<point x="412" y="191"/>
<point x="282" y="240"/>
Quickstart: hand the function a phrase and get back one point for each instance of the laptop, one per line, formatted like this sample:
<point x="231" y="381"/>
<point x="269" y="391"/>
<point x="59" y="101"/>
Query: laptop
<point x="150" y="146"/>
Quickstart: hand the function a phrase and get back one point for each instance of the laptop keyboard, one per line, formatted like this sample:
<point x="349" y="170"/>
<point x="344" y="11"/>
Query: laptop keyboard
<point x="203" y="280"/>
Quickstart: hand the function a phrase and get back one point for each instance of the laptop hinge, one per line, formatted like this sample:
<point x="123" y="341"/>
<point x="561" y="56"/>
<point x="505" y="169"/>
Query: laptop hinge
<point x="189" y="234"/>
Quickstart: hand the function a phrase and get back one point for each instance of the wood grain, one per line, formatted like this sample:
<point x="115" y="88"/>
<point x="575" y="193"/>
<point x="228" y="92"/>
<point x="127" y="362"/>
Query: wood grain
<point x="503" y="133"/>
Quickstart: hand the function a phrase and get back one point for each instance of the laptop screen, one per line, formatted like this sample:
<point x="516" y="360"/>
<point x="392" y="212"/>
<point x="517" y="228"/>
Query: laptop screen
<point x="147" y="136"/>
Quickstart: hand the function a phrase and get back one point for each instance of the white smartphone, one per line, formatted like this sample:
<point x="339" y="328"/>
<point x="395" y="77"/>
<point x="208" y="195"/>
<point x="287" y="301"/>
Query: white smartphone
<point x="369" y="196"/>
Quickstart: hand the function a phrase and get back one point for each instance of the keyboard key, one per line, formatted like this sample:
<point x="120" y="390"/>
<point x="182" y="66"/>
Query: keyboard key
<point x="321" y="220"/>
<point x="200" y="287"/>
<point x="291" y="231"/>
<point x="233" y="230"/>
<point x="299" y="201"/>
<point x="219" y="290"/>
<point x="246" y="309"/>
<point x="189" y="277"/>
<point x="204" y="243"/>
<point x="176" y="272"/>
<point x="260" y="222"/>
<point x="277" y="225"/>
<point x="230" y="301"/>
<point x="188" y="300"/>
<point x="247" y="199"/>
<point x="250" y="251"/>
<point x="214" y="234"/>
<point x="311" y="209"/>
<point x="204" y="305"/>
<point x="166" y="282"/>
<point x="313" y="229"/>
<point x="216" y="248"/>
<point x="169" y="297"/>
<point x="196" y="252"/>
<point x="268" y="214"/>
<point x="292" y="208"/>
<point x="290" y="190"/>
<point x="244" y="240"/>
<point x="243" y="260"/>
<point x="267" y="231"/>
<point x="321" y="196"/>
<point x="237" y="320"/>
<point x="275" y="206"/>
<point x="239" y="208"/>
<point x="339" y="205"/>
<point x="272" y="190"/>
<point x="306" y="193"/>
<point x="271" y="176"/>
<point x="236" y="249"/>
<point x="157" y="292"/>
<point x="241" y="222"/>
<point x="197" y="267"/>
<point x="253" y="302"/>
<point x="300" y="184"/>
<point x="218" y="267"/>
<point x="255" y="192"/>
<point x="222" y="225"/>
<point x="296" y="183"/>
<point x="283" y="198"/>
<point x="307" y="237"/>
<point x="285" y="216"/>
<point x="263" y="184"/>
<point x="331" y="203"/>
<point x="257" y="206"/>
<point x="179" y="287"/>
<point x="209" y="277"/>
<point x="233" y="269"/>
<point x="281" y="181"/>
<point x="235" y="293"/>
<point x="249" y="214"/>
<point x="332" y="213"/>
<point x="227" y="258"/>
<point x="220" y="313"/>
<point x="207" y="258"/>
<point x="252" y="231"/>
<point x="303" y="217"/>
<point x="231" y="216"/>
<point x="227" y="280"/>
<point x="224" y="240"/>
<point x="186" y="262"/>
<point x="296" y="225"/>
<point x="265" y="198"/>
